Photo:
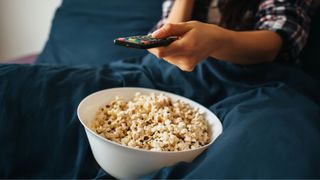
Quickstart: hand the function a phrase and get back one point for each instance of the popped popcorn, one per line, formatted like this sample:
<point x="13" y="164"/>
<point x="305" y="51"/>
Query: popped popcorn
<point x="152" y="122"/>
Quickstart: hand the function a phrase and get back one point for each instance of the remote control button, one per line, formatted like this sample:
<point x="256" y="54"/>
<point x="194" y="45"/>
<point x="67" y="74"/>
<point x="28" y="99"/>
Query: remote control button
<point x="145" y="42"/>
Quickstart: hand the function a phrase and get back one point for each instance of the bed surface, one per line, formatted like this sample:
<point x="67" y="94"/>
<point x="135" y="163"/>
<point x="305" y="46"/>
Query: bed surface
<point x="270" y="112"/>
<point x="270" y="120"/>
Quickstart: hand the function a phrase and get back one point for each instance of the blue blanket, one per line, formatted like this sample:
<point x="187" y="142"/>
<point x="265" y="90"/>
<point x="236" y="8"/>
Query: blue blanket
<point x="270" y="115"/>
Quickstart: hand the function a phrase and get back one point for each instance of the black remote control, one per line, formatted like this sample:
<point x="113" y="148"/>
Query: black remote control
<point x="144" y="42"/>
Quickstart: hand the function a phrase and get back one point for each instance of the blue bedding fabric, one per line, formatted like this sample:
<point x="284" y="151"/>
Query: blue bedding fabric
<point x="270" y="115"/>
<point x="270" y="112"/>
<point x="83" y="31"/>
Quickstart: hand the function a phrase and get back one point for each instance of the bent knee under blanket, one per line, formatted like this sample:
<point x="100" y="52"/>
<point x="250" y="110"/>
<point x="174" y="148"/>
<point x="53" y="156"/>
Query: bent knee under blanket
<point x="270" y="114"/>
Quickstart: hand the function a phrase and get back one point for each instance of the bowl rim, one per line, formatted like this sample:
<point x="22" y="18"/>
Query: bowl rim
<point x="144" y="150"/>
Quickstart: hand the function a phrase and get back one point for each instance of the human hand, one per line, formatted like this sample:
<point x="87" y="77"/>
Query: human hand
<point x="196" y="42"/>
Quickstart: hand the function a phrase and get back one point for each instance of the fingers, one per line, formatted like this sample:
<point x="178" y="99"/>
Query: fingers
<point x="178" y="53"/>
<point x="172" y="54"/>
<point x="171" y="50"/>
<point x="171" y="30"/>
<point x="185" y="63"/>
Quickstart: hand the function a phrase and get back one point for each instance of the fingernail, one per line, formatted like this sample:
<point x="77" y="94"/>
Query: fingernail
<point x="156" y="33"/>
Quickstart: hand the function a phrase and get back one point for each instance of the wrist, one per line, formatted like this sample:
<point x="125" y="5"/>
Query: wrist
<point x="222" y="41"/>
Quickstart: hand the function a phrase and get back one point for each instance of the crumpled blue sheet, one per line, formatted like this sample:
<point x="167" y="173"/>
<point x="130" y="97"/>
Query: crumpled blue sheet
<point x="270" y="115"/>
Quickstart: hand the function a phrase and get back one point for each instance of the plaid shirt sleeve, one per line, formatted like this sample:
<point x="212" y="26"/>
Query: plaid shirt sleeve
<point x="290" y="19"/>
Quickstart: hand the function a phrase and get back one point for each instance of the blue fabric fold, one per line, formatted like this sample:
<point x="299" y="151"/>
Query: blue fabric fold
<point x="270" y="115"/>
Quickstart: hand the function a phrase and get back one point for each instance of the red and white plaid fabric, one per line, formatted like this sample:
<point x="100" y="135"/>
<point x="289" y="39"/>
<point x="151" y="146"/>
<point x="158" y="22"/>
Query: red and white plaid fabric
<point x="289" y="18"/>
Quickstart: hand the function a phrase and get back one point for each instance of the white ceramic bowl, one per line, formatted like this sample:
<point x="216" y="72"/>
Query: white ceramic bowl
<point x="125" y="162"/>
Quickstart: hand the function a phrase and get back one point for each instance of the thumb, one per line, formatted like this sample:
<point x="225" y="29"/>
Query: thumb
<point x="171" y="30"/>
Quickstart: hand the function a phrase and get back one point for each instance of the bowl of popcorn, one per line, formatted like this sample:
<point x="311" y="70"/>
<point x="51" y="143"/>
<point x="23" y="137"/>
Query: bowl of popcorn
<point x="135" y="131"/>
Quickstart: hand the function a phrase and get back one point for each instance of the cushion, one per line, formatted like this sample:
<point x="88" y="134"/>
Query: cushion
<point x="83" y="31"/>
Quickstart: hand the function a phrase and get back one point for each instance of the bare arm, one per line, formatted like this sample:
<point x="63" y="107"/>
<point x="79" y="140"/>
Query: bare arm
<point x="201" y="40"/>
<point x="181" y="11"/>
<point x="249" y="47"/>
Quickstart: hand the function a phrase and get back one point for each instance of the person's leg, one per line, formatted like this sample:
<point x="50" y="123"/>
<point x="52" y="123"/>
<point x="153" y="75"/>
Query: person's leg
<point x="41" y="134"/>
<point x="38" y="123"/>
<point x="270" y="115"/>
<point x="269" y="112"/>
<point x="269" y="132"/>
<point x="43" y="137"/>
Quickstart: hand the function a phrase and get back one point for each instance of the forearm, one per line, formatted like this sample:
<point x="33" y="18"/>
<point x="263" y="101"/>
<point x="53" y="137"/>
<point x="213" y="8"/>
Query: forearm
<point x="200" y="40"/>
<point x="250" y="47"/>
<point x="181" y="11"/>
